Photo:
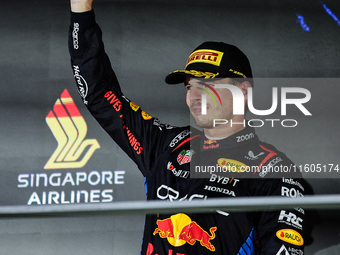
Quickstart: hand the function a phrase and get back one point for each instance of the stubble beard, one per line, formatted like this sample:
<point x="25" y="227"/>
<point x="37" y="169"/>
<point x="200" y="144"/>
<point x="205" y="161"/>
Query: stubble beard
<point x="207" y="121"/>
<point x="204" y="122"/>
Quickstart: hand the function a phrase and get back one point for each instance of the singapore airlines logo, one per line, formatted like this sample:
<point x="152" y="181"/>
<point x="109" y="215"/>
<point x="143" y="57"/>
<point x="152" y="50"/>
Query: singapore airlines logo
<point x="69" y="129"/>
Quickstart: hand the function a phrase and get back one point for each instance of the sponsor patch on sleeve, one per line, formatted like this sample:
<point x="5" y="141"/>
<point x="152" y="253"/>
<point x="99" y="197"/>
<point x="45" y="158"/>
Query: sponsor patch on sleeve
<point x="290" y="236"/>
<point x="146" y="116"/>
<point x="134" y="106"/>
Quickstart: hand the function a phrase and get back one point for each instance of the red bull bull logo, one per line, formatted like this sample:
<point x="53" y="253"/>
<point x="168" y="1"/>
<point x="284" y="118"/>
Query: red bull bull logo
<point x="210" y="144"/>
<point x="210" y="141"/>
<point x="179" y="229"/>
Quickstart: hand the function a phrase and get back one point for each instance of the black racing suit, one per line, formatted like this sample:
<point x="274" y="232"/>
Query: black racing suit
<point x="164" y="153"/>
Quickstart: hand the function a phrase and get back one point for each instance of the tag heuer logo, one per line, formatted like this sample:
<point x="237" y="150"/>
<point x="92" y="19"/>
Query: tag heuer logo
<point x="184" y="156"/>
<point x="69" y="129"/>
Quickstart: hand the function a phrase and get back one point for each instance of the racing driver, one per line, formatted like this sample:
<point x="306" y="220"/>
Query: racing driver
<point x="168" y="156"/>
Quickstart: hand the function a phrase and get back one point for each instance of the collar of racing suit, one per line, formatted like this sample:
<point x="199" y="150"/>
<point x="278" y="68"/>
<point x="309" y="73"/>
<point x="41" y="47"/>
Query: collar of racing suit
<point x="239" y="139"/>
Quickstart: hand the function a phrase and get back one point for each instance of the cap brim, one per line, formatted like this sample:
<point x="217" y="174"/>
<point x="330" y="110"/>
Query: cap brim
<point x="176" y="77"/>
<point x="180" y="76"/>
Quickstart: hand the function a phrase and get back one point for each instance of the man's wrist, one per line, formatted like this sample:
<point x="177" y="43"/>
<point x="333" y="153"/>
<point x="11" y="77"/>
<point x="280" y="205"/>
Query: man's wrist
<point x="86" y="19"/>
<point x="80" y="6"/>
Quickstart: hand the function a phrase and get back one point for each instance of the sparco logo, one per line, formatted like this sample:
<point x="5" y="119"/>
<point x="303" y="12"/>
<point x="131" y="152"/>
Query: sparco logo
<point x="75" y="36"/>
<point x="81" y="83"/>
<point x="179" y="137"/>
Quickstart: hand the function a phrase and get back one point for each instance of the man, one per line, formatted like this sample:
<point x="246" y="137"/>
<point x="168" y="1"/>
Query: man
<point x="164" y="154"/>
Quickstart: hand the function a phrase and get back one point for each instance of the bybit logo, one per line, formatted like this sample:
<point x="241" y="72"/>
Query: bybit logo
<point x="69" y="129"/>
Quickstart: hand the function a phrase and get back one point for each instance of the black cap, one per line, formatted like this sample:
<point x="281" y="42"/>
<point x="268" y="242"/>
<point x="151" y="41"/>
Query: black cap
<point x="213" y="60"/>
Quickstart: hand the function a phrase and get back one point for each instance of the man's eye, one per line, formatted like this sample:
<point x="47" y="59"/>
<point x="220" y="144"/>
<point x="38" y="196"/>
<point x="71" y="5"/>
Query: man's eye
<point x="188" y="87"/>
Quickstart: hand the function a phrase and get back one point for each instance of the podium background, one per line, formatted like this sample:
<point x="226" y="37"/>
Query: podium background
<point x="145" y="40"/>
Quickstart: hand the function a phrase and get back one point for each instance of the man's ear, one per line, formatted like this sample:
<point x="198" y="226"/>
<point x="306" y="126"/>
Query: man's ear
<point x="244" y="87"/>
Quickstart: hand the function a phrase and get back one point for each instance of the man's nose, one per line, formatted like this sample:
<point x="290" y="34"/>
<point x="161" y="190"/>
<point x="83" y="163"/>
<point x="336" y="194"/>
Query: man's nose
<point x="196" y="94"/>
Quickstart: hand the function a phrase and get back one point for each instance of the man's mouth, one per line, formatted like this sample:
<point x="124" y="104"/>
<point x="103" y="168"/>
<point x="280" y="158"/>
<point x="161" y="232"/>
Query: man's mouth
<point x="197" y="109"/>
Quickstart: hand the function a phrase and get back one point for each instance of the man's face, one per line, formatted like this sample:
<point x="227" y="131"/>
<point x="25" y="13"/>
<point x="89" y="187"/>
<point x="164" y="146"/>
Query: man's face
<point x="217" y="108"/>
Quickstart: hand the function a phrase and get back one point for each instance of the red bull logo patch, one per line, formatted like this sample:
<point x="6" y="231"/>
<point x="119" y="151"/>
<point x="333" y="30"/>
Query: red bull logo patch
<point x="179" y="229"/>
<point x="210" y="144"/>
<point x="210" y="141"/>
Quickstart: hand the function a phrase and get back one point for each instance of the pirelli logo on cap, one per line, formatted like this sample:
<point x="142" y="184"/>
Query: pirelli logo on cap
<point x="212" y="57"/>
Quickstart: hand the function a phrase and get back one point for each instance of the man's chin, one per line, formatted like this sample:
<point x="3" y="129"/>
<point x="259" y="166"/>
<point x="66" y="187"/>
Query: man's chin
<point x="203" y="122"/>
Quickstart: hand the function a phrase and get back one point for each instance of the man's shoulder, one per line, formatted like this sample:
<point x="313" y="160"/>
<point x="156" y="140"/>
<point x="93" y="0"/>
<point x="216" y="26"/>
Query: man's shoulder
<point x="273" y="151"/>
<point x="274" y="163"/>
<point x="182" y="134"/>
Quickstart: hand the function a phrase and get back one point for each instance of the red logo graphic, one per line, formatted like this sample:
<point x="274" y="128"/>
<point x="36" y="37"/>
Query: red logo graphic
<point x="210" y="144"/>
<point x="179" y="229"/>
<point x="133" y="140"/>
<point x="69" y="129"/>
<point x="210" y="141"/>
<point x="113" y="100"/>
<point x="184" y="157"/>
<point x="150" y="250"/>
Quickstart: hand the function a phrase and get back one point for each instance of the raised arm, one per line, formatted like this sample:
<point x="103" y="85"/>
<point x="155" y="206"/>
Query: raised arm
<point x="141" y="136"/>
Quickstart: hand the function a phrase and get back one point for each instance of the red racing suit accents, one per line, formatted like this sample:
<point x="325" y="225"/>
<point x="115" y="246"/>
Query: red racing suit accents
<point x="168" y="157"/>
